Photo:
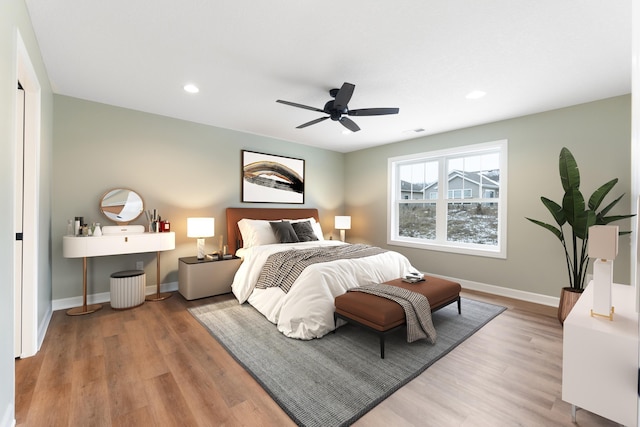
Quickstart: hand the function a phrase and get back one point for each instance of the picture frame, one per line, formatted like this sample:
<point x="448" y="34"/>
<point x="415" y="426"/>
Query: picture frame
<point x="269" y="178"/>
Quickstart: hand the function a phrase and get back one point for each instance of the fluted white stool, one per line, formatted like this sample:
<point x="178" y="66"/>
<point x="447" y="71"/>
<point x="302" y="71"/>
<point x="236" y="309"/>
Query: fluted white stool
<point x="127" y="289"/>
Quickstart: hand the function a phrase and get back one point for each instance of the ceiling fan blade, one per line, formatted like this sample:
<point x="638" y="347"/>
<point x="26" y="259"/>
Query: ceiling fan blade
<point x="312" y="122"/>
<point x="306" y="107"/>
<point x="373" y="111"/>
<point x="349" y="124"/>
<point x="343" y="96"/>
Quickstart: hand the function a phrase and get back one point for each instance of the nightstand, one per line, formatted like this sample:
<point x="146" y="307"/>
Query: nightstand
<point x="206" y="277"/>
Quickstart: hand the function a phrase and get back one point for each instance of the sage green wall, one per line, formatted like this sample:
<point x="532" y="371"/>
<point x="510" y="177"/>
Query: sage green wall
<point x="14" y="18"/>
<point x="180" y="168"/>
<point x="597" y="133"/>
<point x="186" y="169"/>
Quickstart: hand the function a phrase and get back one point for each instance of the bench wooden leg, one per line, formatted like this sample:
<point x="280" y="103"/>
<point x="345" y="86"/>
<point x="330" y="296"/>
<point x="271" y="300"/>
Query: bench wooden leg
<point x="381" y="346"/>
<point x="459" y="306"/>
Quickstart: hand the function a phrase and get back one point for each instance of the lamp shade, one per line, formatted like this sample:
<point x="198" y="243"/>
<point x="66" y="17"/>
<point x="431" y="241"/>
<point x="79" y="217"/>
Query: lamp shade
<point x="200" y="227"/>
<point x="343" y="223"/>
<point x="603" y="242"/>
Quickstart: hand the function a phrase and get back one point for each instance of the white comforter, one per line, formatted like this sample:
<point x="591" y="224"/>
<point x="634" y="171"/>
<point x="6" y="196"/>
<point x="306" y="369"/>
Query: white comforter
<point x="306" y="311"/>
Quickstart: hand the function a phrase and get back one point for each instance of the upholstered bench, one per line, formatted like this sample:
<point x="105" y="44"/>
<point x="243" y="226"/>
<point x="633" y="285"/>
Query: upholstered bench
<point x="384" y="316"/>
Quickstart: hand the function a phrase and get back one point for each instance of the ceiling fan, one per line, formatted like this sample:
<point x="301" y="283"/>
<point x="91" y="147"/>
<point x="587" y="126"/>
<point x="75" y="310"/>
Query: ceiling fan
<point x="337" y="108"/>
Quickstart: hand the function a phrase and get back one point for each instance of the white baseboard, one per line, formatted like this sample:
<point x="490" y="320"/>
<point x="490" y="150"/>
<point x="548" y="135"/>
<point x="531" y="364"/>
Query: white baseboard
<point x="8" y="417"/>
<point x="66" y="303"/>
<point x="44" y="325"/>
<point x="504" y="292"/>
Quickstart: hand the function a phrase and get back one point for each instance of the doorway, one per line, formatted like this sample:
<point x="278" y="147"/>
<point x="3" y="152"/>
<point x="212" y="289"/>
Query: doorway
<point x="26" y="326"/>
<point x="18" y="209"/>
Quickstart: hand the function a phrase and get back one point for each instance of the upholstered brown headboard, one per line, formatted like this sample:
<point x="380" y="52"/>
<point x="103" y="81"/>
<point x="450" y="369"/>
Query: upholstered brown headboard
<point x="234" y="238"/>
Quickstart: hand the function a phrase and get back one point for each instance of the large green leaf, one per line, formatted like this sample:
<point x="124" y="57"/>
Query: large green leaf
<point x="610" y="206"/>
<point x="569" y="173"/>
<point x="549" y="227"/>
<point x="583" y="221"/>
<point x="608" y="219"/>
<point x="598" y="196"/>
<point x="573" y="205"/>
<point x="556" y="211"/>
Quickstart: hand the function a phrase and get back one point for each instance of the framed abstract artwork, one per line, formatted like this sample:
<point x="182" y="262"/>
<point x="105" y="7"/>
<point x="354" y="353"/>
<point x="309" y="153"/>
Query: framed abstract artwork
<point x="267" y="178"/>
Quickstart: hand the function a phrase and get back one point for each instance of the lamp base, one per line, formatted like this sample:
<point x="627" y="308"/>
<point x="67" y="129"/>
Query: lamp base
<point x="602" y="280"/>
<point x="200" y="244"/>
<point x="342" y="235"/>
<point x="608" y="316"/>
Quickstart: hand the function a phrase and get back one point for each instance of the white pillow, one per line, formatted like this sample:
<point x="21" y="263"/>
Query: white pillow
<point x="317" y="229"/>
<point x="256" y="232"/>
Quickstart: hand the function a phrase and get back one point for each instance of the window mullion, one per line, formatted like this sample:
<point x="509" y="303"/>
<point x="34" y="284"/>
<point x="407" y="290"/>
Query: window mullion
<point x="441" y="205"/>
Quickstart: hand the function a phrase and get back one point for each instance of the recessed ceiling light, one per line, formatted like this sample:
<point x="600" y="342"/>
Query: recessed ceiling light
<point x="476" y="94"/>
<point x="191" y="88"/>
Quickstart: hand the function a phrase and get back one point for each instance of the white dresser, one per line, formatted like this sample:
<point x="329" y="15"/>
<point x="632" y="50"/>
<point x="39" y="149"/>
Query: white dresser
<point x="600" y="358"/>
<point x="115" y="244"/>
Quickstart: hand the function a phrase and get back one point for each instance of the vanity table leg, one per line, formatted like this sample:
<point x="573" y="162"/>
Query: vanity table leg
<point x="85" y="309"/>
<point x="158" y="296"/>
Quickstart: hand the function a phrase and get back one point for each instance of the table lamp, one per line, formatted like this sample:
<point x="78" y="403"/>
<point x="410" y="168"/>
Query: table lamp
<point x="342" y="223"/>
<point x="200" y="228"/>
<point x="603" y="245"/>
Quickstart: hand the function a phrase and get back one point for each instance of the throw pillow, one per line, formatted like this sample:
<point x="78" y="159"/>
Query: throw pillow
<point x="284" y="232"/>
<point x="304" y="231"/>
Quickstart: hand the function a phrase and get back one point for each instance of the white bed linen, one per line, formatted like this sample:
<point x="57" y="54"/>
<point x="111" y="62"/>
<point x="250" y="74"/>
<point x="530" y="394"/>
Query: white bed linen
<point x="306" y="311"/>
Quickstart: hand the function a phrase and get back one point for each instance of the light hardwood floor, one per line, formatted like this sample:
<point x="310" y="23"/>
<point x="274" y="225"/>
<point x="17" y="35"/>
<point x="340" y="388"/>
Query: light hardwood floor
<point x="156" y="365"/>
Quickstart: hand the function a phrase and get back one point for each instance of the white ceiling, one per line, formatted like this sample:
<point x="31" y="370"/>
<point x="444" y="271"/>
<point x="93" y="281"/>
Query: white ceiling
<point x="422" y="56"/>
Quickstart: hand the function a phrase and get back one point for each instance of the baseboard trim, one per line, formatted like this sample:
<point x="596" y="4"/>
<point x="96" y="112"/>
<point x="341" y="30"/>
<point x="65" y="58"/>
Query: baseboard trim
<point x="8" y="418"/>
<point x="44" y="325"/>
<point x="504" y="292"/>
<point x="104" y="297"/>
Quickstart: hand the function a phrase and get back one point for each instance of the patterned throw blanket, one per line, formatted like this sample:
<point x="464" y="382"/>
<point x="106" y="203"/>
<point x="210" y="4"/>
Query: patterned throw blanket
<point x="416" y="308"/>
<point x="283" y="268"/>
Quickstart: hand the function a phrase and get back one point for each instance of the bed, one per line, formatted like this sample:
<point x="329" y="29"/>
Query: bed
<point x="305" y="310"/>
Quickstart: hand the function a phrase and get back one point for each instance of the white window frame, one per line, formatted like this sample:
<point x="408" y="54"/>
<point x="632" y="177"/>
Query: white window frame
<point x="394" y="200"/>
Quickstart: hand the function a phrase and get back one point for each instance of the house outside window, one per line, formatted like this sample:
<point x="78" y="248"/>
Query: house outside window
<point x="450" y="200"/>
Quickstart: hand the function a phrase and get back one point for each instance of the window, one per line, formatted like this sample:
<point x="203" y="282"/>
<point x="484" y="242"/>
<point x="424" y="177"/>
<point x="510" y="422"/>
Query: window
<point x="451" y="200"/>
<point x="464" y="193"/>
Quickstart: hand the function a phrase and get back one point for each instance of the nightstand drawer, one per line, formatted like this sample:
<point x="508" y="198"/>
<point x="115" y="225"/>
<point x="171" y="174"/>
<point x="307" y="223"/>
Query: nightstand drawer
<point x="205" y="278"/>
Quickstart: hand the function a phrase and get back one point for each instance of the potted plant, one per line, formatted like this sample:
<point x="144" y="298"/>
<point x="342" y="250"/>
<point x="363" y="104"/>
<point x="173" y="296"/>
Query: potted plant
<point x="577" y="217"/>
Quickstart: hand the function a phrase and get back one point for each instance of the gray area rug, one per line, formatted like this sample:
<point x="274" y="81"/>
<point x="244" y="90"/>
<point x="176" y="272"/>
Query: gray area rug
<point x="334" y="380"/>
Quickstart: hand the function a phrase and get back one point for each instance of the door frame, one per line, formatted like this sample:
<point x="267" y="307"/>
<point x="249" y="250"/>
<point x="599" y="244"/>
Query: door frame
<point x="27" y="76"/>
<point x="17" y="219"/>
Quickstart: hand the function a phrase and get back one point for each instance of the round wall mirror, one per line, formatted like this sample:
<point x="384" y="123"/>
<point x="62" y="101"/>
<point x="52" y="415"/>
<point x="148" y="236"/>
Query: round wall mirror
<point x="122" y="205"/>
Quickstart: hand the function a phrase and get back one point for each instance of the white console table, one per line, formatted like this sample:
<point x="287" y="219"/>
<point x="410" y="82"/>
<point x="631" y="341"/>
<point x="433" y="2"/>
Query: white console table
<point x="600" y="358"/>
<point x="115" y="244"/>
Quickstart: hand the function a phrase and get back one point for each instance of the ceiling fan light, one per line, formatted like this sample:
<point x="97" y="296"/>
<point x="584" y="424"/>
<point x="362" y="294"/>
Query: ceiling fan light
<point x="191" y="88"/>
